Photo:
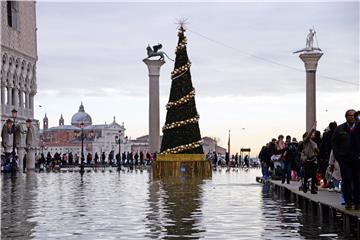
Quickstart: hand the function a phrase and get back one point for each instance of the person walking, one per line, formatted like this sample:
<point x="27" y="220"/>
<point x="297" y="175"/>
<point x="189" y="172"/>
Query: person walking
<point x="96" y="159"/>
<point x="346" y="149"/>
<point x="309" y="152"/>
<point x="141" y="158"/>
<point x="288" y="157"/>
<point x="103" y="157"/>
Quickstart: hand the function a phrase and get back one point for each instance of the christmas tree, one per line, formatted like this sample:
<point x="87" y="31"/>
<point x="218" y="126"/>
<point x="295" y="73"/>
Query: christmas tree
<point x="181" y="133"/>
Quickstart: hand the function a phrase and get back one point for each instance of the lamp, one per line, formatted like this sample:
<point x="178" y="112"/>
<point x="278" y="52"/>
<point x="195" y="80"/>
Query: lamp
<point x="13" y="162"/>
<point x="118" y="141"/>
<point x="14" y="113"/>
<point x="28" y="123"/>
<point x="82" y="125"/>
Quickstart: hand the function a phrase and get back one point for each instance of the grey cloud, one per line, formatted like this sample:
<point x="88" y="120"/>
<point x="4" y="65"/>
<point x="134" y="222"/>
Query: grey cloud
<point x="78" y="50"/>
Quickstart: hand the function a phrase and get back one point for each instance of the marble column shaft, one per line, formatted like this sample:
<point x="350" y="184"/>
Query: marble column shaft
<point x="154" y="112"/>
<point x="310" y="60"/>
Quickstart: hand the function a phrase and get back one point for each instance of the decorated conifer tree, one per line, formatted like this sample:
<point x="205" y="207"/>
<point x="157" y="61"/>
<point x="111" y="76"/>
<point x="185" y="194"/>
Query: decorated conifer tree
<point x="181" y="133"/>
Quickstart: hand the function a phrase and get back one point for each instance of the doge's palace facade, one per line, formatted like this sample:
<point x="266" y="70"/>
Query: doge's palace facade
<point x="18" y="78"/>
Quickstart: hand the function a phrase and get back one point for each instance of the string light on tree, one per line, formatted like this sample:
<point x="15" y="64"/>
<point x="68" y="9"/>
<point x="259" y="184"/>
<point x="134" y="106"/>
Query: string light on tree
<point x="182" y="100"/>
<point x="183" y="147"/>
<point x="181" y="123"/>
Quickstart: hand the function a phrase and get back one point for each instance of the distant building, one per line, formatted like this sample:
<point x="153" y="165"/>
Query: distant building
<point x="210" y="145"/>
<point x="18" y="77"/>
<point x="97" y="137"/>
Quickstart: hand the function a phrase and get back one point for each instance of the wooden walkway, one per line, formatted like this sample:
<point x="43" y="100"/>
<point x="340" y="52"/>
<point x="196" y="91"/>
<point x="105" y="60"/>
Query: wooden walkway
<point x="324" y="201"/>
<point x="324" y="197"/>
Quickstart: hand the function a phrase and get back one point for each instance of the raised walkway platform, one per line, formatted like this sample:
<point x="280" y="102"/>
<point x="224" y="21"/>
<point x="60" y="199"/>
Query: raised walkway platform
<point x="324" y="201"/>
<point x="330" y="199"/>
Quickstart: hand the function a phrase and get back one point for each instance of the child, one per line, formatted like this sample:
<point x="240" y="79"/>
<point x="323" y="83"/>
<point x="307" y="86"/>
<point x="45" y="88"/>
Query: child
<point x="335" y="172"/>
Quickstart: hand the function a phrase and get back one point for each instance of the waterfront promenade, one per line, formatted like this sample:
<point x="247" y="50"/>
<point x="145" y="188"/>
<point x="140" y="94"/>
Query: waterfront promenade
<point x="330" y="199"/>
<point x="324" y="202"/>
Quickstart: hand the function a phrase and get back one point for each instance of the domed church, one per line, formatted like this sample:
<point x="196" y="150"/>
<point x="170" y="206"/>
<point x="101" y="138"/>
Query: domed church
<point x="97" y="137"/>
<point x="81" y="117"/>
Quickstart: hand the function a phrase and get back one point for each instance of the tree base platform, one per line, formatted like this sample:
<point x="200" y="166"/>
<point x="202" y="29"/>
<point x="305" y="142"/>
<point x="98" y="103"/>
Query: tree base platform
<point x="179" y="165"/>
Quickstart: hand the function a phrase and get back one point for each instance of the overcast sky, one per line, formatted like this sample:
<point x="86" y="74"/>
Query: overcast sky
<point x="92" y="52"/>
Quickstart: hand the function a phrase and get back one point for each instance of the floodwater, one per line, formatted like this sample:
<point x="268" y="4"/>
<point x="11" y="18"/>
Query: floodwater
<point x="129" y="205"/>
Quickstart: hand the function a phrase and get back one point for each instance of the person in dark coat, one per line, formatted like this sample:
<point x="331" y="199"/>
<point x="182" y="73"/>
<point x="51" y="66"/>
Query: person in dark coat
<point x="215" y="162"/>
<point x="325" y="149"/>
<point x="103" y="157"/>
<point x="141" y="158"/>
<point x="88" y="159"/>
<point x="148" y="156"/>
<point x="71" y="159"/>
<point x="346" y="149"/>
<point x="263" y="161"/>
<point x="96" y="158"/>
<point x="123" y="157"/>
<point x="136" y="159"/>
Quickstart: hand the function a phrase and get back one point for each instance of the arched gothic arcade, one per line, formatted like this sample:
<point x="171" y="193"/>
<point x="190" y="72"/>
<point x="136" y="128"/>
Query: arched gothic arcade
<point x="18" y="88"/>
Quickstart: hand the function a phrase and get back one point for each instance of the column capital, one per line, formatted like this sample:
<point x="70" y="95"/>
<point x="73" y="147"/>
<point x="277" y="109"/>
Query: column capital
<point x="153" y="66"/>
<point x="310" y="60"/>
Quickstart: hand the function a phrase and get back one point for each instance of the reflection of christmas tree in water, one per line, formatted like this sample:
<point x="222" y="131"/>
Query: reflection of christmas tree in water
<point x="181" y="130"/>
<point x="182" y="207"/>
<point x="180" y="202"/>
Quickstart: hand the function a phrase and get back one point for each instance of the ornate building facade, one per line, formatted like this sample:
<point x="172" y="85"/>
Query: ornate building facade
<point x="18" y="79"/>
<point x="98" y="138"/>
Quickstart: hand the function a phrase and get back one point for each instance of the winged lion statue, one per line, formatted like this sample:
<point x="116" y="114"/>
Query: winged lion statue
<point x="154" y="52"/>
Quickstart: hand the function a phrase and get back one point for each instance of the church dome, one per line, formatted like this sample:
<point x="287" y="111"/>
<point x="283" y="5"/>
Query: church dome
<point x="81" y="116"/>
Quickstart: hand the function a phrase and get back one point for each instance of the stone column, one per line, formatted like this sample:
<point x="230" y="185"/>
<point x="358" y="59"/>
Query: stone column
<point x="2" y="95"/>
<point x="154" y="113"/>
<point x="310" y="60"/>
<point x="31" y="106"/>
<point x="30" y="159"/>
<point x="21" y="152"/>
<point x="21" y="100"/>
<point x="16" y="98"/>
<point x="9" y="96"/>
<point x="26" y="100"/>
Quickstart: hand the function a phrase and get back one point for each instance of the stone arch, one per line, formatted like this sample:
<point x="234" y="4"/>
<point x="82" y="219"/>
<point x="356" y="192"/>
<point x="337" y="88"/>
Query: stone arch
<point x="11" y="64"/>
<point x="4" y="61"/>
<point x="15" y="81"/>
<point x="28" y="69"/>
<point x="8" y="79"/>
<point x="21" y="82"/>
<point x="2" y="74"/>
<point x="18" y="66"/>
<point x="27" y="84"/>
<point x="23" y="68"/>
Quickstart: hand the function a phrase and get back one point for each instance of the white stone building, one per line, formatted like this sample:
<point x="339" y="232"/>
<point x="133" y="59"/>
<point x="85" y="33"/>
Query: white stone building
<point x="97" y="137"/>
<point x="18" y="78"/>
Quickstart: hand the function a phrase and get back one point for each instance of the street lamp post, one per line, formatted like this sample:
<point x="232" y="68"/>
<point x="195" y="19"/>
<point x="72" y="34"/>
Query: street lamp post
<point x="28" y="126"/>
<point x="13" y="161"/>
<point x="119" y="141"/>
<point x="82" y="149"/>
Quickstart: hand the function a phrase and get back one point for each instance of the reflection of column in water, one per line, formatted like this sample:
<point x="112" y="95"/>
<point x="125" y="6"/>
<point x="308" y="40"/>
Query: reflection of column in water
<point x="153" y="213"/>
<point x="182" y="207"/>
<point x="18" y="195"/>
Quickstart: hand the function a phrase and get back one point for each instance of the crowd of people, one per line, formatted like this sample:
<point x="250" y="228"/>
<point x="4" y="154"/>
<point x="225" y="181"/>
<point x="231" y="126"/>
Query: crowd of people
<point x="236" y="160"/>
<point x="330" y="160"/>
<point x="48" y="162"/>
<point x="130" y="159"/>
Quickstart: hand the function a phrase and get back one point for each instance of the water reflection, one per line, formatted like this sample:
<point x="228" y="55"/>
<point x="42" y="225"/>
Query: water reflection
<point x="18" y="193"/>
<point x="130" y="205"/>
<point x="297" y="221"/>
<point x="175" y="208"/>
